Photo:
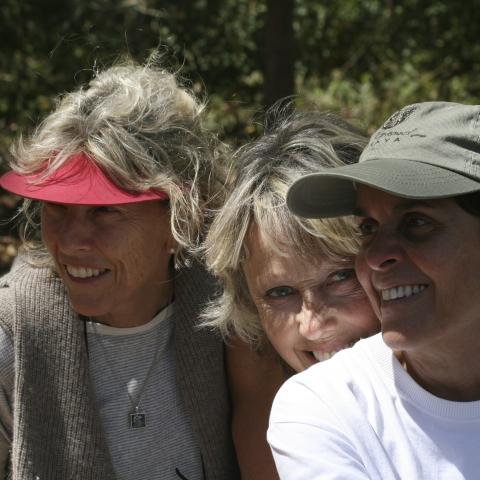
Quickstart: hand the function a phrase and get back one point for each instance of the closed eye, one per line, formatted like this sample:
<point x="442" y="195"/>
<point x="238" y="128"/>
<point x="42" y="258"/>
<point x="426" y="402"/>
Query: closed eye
<point x="414" y="220"/>
<point x="105" y="209"/>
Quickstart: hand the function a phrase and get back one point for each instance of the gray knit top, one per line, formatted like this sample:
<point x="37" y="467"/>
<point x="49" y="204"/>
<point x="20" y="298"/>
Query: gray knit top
<point x="57" y="433"/>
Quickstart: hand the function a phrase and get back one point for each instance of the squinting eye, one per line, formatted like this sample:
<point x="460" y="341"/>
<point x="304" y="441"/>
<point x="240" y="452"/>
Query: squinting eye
<point x="342" y="275"/>
<point x="105" y="209"/>
<point x="279" y="292"/>
<point x="416" y="221"/>
<point x="367" y="227"/>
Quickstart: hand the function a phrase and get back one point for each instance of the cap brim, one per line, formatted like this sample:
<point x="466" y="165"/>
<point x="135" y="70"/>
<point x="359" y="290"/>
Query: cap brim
<point x="332" y="193"/>
<point x="79" y="181"/>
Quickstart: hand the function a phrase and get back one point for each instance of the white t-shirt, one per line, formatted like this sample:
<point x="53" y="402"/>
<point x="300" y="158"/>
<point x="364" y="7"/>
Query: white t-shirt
<point x="120" y="360"/>
<point x="361" y="416"/>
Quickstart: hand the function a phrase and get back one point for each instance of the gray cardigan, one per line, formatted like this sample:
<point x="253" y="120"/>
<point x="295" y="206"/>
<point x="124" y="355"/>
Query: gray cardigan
<point x="56" y="432"/>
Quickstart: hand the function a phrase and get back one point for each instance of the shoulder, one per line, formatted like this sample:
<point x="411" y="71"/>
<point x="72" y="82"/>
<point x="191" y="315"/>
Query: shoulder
<point x="23" y="272"/>
<point x="193" y="288"/>
<point x="194" y="283"/>
<point x="7" y="313"/>
<point x="341" y="382"/>
<point x="7" y="294"/>
<point x="24" y="283"/>
<point x="346" y="366"/>
<point x="337" y="408"/>
<point x="252" y="372"/>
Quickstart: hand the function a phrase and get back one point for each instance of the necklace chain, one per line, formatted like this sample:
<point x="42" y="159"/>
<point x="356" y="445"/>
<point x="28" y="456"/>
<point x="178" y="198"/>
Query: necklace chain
<point x="136" y="417"/>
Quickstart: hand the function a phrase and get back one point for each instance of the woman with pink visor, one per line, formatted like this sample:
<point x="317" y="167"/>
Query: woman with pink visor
<point x="103" y="373"/>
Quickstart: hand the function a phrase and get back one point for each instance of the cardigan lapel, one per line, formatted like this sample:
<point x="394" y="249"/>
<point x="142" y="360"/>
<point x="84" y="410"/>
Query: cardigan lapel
<point x="201" y="374"/>
<point x="58" y="432"/>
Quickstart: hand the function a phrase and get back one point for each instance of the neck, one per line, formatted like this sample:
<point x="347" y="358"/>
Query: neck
<point x="454" y="378"/>
<point x="139" y="312"/>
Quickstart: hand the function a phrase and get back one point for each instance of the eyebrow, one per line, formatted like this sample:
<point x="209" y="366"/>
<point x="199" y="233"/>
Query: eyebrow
<point x="402" y="207"/>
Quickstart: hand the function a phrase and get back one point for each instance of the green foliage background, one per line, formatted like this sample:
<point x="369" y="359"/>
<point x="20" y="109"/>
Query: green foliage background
<point x="361" y="58"/>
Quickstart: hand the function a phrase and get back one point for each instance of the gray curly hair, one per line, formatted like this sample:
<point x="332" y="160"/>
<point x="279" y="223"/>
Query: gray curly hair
<point x="144" y="131"/>
<point x="292" y="146"/>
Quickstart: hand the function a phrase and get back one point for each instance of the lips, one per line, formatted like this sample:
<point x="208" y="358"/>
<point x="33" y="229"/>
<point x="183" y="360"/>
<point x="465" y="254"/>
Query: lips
<point x="84" y="272"/>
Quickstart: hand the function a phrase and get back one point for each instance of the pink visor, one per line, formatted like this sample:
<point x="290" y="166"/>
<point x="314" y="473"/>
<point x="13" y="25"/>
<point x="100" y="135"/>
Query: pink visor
<point x="78" y="181"/>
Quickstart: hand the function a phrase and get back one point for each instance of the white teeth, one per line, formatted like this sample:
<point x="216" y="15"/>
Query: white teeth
<point x="83" y="272"/>
<point x="322" y="356"/>
<point x="401" y="292"/>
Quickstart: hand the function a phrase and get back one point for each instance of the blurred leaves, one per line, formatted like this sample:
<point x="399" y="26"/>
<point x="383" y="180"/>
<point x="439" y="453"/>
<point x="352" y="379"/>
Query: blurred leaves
<point x="392" y="52"/>
<point x="49" y="46"/>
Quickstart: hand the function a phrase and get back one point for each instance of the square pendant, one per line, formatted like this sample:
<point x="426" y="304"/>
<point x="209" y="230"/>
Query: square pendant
<point x="138" y="420"/>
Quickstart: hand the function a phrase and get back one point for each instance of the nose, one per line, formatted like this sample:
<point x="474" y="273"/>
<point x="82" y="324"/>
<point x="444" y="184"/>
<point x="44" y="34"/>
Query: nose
<point x="311" y="320"/>
<point x="74" y="234"/>
<point x="383" y="252"/>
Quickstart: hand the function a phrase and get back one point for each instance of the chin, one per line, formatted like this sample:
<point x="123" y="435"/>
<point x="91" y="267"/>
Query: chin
<point x="398" y="340"/>
<point x="87" y="309"/>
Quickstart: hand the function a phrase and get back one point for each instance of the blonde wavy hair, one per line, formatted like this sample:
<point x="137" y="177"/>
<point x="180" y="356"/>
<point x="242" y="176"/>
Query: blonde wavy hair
<point x="144" y="130"/>
<point x="292" y="146"/>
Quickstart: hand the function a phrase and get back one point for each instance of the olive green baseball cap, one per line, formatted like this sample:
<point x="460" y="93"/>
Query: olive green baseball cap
<point x="424" y="151"/>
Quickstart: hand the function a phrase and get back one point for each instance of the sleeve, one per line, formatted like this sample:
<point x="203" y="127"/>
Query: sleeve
<point x="307" y="439"/>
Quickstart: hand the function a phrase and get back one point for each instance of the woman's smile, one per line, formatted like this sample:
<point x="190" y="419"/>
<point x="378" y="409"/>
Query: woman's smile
<point x="84" y="272"/>
<point x="403" y="291"/>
